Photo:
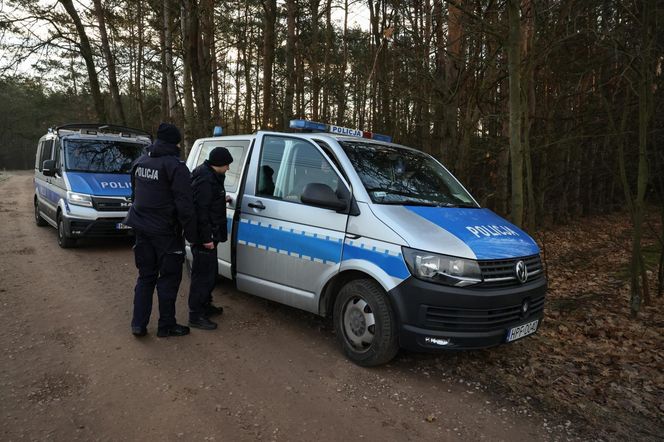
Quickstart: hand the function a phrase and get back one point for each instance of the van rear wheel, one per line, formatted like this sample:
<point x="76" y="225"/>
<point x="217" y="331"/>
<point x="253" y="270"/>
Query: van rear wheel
<point x="365" y="323"/>
<point x="64" y="240"/>
<point x="41" y="222"/>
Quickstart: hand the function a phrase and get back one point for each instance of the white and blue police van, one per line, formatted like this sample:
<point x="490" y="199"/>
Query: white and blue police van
<point x="82" y="179"/>
<point x="380" y="236"/>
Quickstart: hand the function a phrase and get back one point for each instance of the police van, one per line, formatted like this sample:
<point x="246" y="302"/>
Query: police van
<point x="82" y="179"/>
<point x="380" y="236"/>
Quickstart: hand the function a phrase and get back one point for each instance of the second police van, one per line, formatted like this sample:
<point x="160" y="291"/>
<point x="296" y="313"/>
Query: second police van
<point x="82" y="179"/>
<point x="380" y="236"/>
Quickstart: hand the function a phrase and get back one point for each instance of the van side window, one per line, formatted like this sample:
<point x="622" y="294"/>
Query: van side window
<point x="287" y="165"/>
<point x="238" y="150"/>
<point x="46" y="153"/>
<point x="58" y="160"/>
<point x="38" y="161"/>
<point x="270" y="164"/>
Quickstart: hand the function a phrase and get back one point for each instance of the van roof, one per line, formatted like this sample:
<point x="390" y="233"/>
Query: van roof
<point x="102" y="129"/>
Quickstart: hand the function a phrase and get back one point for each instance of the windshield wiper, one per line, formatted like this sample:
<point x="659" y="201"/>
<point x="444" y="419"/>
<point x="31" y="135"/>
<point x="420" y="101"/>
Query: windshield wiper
<point x="461" y="205"/>
<point x="409" y="203"/>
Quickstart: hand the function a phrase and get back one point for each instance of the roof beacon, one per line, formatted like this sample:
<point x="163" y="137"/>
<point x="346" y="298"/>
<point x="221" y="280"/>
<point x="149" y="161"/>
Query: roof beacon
<point x="322" y="127"/>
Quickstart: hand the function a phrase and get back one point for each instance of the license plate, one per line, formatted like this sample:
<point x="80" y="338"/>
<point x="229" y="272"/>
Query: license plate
<point x="120" y="226"/>
<point x="520" y="331"/>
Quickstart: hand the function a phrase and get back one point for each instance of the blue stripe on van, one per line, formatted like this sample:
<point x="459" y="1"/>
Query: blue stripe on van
<point x="393" y="265"/>
<point x="295" y="243"/>
<point x="47" y="193"/>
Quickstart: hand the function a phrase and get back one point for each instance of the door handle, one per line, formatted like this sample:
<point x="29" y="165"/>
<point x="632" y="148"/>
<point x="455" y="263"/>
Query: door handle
<point x="257" y="205"/>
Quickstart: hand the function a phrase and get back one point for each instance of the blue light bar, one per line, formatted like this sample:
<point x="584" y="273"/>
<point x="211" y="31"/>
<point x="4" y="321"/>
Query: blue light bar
<point x="322" y="127"/>
<point x="308" y="125"/>
<point x="218" y="131"/>
<point x="381" y="137"/>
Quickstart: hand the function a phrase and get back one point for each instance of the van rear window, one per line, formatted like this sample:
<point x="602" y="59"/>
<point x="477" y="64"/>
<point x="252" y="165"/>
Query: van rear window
<point x="97" y="156"/>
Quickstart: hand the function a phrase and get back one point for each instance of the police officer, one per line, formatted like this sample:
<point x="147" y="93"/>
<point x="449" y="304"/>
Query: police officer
<point x="210" y="201"/>
<point x="162" y="207"/>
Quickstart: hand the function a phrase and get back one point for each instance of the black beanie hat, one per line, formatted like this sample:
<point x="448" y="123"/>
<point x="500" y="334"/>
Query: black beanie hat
<point x="220" y="156"/>
<point x="168" y="133"/>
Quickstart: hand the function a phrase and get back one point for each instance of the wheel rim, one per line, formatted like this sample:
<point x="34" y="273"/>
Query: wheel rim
<point x="359" y="323"/>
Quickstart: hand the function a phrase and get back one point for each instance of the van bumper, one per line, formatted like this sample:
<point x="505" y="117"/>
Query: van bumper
<point x="434" y="317"/>
<point x="100" y="227"/>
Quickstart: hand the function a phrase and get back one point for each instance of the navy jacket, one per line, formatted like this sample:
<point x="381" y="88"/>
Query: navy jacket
<point x="210" y="202"/>
<point x="161" y="193"/>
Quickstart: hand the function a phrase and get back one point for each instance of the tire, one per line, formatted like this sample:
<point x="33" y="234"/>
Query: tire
<point x="365" y="323"/>
<point x="64" y="240"/>
<point x="41" y="222"/>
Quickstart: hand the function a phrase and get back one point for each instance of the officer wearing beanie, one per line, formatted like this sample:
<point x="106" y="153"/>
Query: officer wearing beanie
<point x="162" y="208"/>
<point x="210" y="201"/>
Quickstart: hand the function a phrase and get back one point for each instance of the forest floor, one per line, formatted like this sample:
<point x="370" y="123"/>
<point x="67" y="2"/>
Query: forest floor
<point x="590" y="360"/>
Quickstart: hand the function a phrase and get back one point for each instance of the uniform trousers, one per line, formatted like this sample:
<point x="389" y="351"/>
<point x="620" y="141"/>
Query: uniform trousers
<point x="203" y="278"/>
<point x="159" y="261"/>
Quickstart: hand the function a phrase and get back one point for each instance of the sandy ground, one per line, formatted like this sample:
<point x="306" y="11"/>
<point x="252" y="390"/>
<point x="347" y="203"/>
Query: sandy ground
<point x="71" y="370"/>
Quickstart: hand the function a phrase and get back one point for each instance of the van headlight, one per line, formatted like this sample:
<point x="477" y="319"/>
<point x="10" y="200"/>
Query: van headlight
<point x="79" y="199"/>
<point x="442" y="269"/>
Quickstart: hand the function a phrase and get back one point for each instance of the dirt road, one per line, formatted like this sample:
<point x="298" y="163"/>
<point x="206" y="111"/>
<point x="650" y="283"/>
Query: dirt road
<point x="72" y="370"/>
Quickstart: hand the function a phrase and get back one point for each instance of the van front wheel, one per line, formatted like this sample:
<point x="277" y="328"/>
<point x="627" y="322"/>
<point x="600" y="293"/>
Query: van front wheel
<point x="365" y="324"/>
<point x="64" y="240"/>
<point x="41" y="222"/>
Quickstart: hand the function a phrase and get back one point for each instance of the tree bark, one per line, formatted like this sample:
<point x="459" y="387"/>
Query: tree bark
<point x="118" y="111"/>
<point x="270" y="9"/>
<point x="516" y="150"/>
<point x="86" y="53"/>
<point x="291" y="8"/>
<point x="174" y="110"/>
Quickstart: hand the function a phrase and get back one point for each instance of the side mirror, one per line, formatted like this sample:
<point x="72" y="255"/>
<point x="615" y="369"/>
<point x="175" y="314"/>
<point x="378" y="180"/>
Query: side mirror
<point x="322" y="195"/>
<point x="48" y="167"/>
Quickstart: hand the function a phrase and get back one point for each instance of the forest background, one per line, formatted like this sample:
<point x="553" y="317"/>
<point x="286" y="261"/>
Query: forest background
<point x="549" y="111"/>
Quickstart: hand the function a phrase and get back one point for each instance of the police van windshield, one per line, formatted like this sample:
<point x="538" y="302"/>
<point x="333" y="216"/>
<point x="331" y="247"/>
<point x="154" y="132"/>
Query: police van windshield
<point x="98" y="156"/>
<point x="395" y="175"/>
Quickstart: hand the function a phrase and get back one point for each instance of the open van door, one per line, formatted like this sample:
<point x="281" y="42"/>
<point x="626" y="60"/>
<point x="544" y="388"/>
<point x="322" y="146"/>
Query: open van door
<point x="238" y="148"/>
<point x="292" y="222"/>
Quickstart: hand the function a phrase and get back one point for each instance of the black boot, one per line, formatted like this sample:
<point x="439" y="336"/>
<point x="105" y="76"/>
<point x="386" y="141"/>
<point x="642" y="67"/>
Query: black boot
<point x="202" y="322"/>
<point x="173" y="330"/>
<point x="213" y="310"/>
<point x="139" y="331"/>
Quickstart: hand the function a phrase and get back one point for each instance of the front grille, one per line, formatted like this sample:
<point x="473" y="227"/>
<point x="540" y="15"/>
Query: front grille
<point x="479" y="320"/>
<point x="501" y="273"/>
<point x="111" y="204"/>
<point x="105" y="227"/>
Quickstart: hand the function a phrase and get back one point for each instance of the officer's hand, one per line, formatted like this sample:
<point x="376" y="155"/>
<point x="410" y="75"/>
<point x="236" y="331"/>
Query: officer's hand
<point x="229" y="199"/>
<point x="208" y="245"/>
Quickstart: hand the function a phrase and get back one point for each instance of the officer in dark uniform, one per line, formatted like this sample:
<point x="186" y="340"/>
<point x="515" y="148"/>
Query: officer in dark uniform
<point x="210" y="201"/>
<point x="162" y="207"/>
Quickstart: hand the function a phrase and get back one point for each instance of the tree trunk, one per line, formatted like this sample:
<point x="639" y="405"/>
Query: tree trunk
<point x="645" y="80"/>
<point x="139" y="64"/>
<point x="189" y="123"/>
<point x="86" y="53"/>
<point x="270" y="9"/>
<point x="516" y="151"/>
<point x="291" y="8"/>
<point x="118" y="111"/>
<point x="341" y="93"/>
<point x="313" y="60"/>
<point x="174" y="110"/>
